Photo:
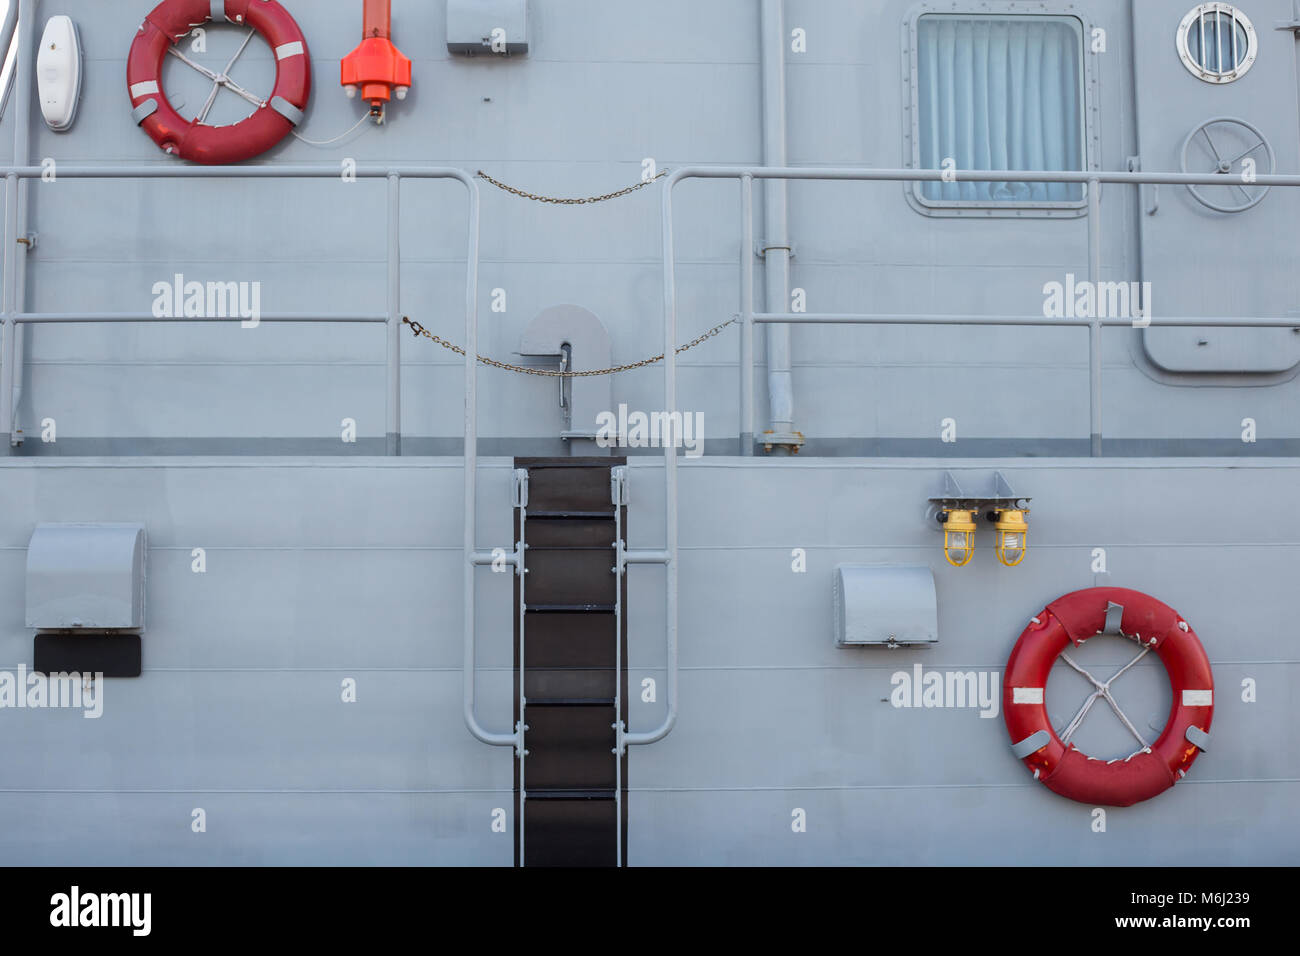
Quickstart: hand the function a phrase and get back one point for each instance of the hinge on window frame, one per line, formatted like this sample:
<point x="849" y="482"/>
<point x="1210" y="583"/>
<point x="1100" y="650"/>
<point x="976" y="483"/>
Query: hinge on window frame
<point x="1293" y="24"/>
<point x="1135" y="166"/>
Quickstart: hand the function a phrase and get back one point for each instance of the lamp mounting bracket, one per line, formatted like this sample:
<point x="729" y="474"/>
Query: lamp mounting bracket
<point x="994" y="495"/>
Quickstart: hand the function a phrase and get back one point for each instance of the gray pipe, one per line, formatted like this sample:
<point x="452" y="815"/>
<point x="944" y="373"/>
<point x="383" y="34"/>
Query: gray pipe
<point x="776" y="271"/>
<point x="22" y="81"/>
<point x="393" y="412"/>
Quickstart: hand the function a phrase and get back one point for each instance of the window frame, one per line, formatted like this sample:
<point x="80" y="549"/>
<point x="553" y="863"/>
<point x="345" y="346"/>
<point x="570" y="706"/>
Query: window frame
<point x="1090" y="135"/>
<point x="1240" y="68"/>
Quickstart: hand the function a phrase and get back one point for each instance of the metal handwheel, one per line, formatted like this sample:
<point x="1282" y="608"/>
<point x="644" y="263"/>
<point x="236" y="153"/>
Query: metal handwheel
<point x="1224" y="144"/>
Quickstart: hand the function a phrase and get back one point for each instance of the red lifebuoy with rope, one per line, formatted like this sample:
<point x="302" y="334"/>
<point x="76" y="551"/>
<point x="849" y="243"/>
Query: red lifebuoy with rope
<point x="193" y="139"/>
<point x="1063" y="768"/>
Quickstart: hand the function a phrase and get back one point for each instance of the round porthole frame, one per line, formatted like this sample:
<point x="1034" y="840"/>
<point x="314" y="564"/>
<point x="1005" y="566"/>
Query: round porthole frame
<point x="1242" y="65"/>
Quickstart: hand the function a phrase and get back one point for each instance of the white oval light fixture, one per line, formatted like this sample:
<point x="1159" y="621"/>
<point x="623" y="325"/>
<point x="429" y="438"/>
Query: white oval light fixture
<point x="58" y="73"/>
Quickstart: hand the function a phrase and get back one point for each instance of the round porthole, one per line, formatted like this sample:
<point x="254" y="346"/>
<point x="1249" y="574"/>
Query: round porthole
<point x="1217" y="43"/>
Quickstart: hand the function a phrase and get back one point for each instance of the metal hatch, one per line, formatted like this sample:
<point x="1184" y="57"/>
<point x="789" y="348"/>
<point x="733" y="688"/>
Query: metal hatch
<point x="1203" y="261"/>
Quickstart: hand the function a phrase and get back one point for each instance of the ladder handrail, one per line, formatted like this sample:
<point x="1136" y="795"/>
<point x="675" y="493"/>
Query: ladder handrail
<point x="627" y="738"/>
<point x="473" y="557"/>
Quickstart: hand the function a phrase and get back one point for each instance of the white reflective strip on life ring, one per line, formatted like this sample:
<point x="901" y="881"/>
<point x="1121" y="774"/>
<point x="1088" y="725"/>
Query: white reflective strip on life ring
<point x="1198" y="698"/>
<point x="1026" y="695"/>
<point x="144" y="89"/>
<point x="287" y="50"/>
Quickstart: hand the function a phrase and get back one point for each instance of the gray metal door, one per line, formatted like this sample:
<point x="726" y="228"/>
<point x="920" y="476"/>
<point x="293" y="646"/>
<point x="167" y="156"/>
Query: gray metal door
<point x="1222" y="250"/>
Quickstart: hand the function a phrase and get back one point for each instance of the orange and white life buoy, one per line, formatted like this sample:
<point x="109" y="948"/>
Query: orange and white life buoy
<point x="1069" y="621"/>
<point x="199" y="142"/>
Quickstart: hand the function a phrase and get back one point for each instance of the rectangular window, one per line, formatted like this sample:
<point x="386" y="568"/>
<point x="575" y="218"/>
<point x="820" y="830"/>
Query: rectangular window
<point x="999" y="93"/>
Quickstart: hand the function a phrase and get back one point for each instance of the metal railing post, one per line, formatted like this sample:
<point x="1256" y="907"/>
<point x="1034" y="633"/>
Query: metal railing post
<point x="747" y="315"/>
<point x="393" y="420"/>
<point x="23" y="73"/>
<point x="1094" y="327"/>
<point x="7" y="336"/>
<point x="7" y="333"/>
<point x="15" y="211"/>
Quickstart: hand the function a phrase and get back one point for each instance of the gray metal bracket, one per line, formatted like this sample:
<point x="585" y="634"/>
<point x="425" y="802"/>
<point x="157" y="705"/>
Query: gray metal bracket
<point x="574" y="337"/>
<point x="1135" y="166"/>
<point x="519" y="497"/>
<point x="791" y="440"/>
<point x="762" y="248"/>
<point x="1293" y="24"/>
<point x="998" y="496"/>
<point x="618" y="486"/>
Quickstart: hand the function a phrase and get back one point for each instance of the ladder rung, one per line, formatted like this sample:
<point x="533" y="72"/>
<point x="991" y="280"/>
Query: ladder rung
<point x="569" y="608"/>
<point x="606" y="515"/>
<point x="570" y="702"/>
<point x="571" y="547"/>
<point x="569" y="795"/>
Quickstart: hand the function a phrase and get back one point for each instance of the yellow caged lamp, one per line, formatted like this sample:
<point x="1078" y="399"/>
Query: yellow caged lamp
<point x="1013" y="536"/>
<point x="959" y="537"/>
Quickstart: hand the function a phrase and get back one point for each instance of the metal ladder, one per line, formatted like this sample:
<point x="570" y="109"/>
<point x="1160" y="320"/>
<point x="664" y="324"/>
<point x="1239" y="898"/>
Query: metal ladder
<point x="570" y="689"/>
<point x="624" y="556"/>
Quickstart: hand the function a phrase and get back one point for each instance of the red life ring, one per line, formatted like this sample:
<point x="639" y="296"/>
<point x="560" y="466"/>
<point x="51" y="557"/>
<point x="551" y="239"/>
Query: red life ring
<point x="1071" y="620"/>
<point x="199" y="142"/>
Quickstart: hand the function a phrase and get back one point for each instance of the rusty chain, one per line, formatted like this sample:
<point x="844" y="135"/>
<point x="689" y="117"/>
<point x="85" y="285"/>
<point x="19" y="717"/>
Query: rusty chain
<point x="419" y="329"/>
<point x="570" y="202"/>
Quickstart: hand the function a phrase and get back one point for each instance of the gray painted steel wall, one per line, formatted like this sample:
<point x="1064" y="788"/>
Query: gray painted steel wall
<point x="320" y="570"/>
<point x="603" y="88"/>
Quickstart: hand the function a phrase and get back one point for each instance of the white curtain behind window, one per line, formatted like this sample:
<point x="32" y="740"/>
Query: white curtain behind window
<point x="1000" y="93"/>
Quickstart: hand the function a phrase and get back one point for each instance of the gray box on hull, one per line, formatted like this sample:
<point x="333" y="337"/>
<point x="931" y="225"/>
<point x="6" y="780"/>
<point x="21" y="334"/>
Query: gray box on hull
<point x="884" y="605"/>
<point x="88" y="576"/>
<point x="470" y="26"/>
